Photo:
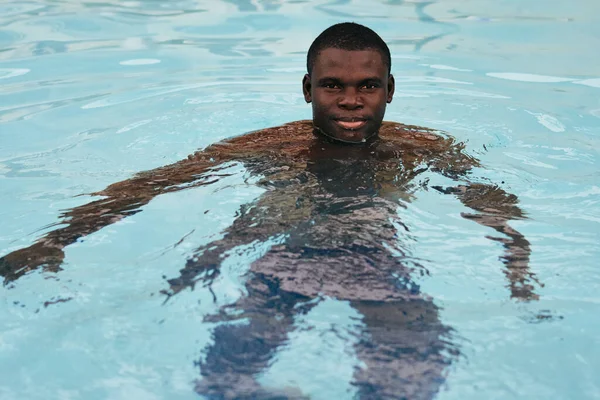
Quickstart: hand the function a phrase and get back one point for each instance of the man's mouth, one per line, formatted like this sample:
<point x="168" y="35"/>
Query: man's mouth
<point x="350" y="123"/>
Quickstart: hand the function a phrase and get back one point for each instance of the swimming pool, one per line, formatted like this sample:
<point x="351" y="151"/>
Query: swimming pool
<point x="94" y="92"/>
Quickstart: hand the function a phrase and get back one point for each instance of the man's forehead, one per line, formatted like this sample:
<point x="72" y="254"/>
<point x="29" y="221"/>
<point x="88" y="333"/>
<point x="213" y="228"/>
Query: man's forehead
<point x="338" y="58"/>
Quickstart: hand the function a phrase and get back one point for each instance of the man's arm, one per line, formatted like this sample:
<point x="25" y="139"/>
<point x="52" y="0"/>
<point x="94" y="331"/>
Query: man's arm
<point x="494" y="209"/>
<point x="270" y="218"/>
<point x="120" y="200"/>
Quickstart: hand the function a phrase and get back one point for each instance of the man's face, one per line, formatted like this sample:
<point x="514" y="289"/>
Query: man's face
<point x="349" y="91"/>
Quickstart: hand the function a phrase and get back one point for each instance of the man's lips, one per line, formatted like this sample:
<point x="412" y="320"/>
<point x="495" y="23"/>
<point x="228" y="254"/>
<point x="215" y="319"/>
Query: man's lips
<point x="350" y="123"/>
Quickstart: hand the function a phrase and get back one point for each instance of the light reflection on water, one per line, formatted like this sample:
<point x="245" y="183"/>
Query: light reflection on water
<point x="95" y="91"/>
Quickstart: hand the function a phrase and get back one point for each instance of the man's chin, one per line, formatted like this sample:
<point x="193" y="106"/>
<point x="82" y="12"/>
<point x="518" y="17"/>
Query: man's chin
<point x="346" y="135"/>
<point x="350" y="136"/>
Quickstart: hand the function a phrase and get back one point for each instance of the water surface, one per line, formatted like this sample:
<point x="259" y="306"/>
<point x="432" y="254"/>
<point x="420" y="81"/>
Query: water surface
<point x="94" y="92"/>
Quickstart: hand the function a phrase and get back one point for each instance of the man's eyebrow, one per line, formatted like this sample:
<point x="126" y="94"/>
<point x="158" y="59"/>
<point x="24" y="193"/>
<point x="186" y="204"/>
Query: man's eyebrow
<point x="328" y="79"/>
<point x="373" y="79"/>
<point x="331" y="79"/>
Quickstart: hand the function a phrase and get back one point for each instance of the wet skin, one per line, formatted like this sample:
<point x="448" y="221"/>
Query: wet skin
<point x="329" y="212"/>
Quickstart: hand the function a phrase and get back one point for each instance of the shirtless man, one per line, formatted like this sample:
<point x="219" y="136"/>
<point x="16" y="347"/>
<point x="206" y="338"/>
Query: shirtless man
<point x="329" y="221"/>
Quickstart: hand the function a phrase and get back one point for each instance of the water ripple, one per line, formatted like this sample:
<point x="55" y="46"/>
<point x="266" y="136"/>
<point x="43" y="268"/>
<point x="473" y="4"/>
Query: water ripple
<point x="22" y="112"/>
<point x="521" y="77"/>
<point x="6" y="73"/>
<point x="550" y="122"/>
<point x="151" y="92"/>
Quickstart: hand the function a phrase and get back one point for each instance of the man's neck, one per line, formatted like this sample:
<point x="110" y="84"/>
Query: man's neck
<point x="330" y="139"/>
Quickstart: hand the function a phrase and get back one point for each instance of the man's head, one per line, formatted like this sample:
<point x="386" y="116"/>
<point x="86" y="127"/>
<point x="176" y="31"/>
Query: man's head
<point x="348" y="82"/>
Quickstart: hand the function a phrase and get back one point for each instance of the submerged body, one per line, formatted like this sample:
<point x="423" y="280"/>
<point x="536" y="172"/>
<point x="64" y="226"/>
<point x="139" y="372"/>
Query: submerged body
<point x="330" y="214"/>
<point x="328" y="222"/>
<point x="327" y="205"/>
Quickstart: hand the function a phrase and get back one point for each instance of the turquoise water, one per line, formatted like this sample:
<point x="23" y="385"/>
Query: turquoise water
<point x="93" y="92"/>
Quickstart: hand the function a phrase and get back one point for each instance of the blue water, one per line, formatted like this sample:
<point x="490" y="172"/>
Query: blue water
<point x="94" y="92"/>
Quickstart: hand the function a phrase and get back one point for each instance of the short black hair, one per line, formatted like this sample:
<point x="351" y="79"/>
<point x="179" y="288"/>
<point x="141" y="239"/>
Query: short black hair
<point x="348" y="36"/>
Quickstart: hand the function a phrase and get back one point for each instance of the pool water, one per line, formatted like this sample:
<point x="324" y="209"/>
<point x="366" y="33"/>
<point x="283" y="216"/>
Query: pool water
<point x="93" y="92"/>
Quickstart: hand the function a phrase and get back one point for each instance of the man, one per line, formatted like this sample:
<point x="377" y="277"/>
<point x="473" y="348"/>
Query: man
<point x="327" y="222"/>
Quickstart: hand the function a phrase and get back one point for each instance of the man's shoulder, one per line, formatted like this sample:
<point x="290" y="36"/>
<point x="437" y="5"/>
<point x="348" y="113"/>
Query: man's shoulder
<point x="273" y="140"/>
<point x="437" y="146"/>
<point x="295" y="129"/>
<point x="396" y="131"/>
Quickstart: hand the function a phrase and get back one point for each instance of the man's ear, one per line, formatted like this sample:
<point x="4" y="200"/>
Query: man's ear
<point x="391" y="88"/>
<point x="306" y="88"/>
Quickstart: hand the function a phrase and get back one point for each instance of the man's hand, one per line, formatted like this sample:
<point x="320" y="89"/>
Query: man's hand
<point x="40" y="254"/>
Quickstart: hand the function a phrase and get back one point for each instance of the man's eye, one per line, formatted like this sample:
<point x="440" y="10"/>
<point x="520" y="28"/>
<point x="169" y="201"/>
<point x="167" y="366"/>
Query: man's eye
<point x="331" y="86"/>
<point x="370" y="86"/>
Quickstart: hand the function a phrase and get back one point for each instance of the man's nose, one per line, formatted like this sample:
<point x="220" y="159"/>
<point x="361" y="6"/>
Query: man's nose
<point x="350" y="99"/>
